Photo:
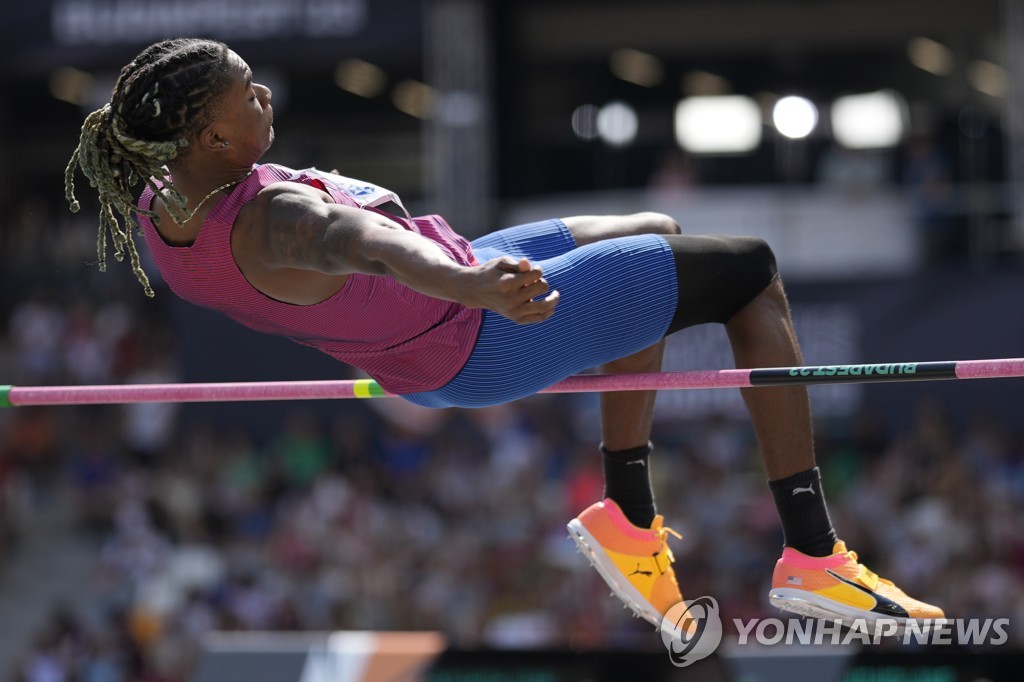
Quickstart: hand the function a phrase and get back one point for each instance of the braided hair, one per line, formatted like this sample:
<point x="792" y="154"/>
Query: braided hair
<point x="161" y="99"/>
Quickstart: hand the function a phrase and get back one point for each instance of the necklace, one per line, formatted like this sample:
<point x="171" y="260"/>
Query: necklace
<point x="190" y="214"/>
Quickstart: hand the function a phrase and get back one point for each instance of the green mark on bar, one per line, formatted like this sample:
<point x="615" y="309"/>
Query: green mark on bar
<point x="367" y="388"/>
<point x="855" y="370"/>
<point x="5" y="396"/>
<point x="838" y="374"/>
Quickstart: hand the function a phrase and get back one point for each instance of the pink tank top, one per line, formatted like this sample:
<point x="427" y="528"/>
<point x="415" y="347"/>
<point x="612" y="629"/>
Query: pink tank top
<point x="405" y="340"/>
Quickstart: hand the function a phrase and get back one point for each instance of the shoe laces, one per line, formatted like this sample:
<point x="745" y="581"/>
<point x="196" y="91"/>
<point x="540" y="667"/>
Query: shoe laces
<point x="866" y="575"/>
<point x="663" y="533"/>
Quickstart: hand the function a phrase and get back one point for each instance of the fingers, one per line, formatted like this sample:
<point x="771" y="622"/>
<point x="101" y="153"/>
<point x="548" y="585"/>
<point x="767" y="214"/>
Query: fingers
<point x="536" y="311"/>
<point x="523" y="284"/>
<point x="520" y="267"/>
<point x="529" y="306"/>
<point x="525" y="280"/>
<point x="537" y="288"/>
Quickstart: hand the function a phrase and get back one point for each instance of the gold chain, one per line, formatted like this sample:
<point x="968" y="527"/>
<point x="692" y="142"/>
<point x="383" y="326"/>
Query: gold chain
<point x="190" y="214"/>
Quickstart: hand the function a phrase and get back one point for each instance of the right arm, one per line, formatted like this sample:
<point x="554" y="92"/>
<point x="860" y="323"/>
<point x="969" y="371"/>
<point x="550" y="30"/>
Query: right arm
<point x="298" y="229"/>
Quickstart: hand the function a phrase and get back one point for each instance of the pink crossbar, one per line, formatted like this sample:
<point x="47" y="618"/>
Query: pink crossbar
<point x="989" y="369"/>
<point x="584" y="383"/>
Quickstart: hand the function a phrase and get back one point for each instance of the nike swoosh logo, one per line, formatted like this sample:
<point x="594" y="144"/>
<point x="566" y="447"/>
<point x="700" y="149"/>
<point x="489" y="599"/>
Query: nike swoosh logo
<point x="883" y="605"/>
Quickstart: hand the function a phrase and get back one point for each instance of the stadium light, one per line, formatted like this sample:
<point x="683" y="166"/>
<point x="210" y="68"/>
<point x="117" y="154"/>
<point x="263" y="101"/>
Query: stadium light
<point x="868" y="121"/>
<point x="729" y="124"/>
<point x="987" y="77"/>
<point x="634" y="66"/>
<point x="71" y="85"/>
<point x="584" y="121"/>
<point x="930" y="56"/>
<point x="795" y="117"/>
<point x="360" y="77"/>
<point x="414" y="98"/>
<point x="617" y="124"/>
<point x="698" y="83"/>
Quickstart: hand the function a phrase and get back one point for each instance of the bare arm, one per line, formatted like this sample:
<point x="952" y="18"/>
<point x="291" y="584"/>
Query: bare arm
<point x="304" y="230"/>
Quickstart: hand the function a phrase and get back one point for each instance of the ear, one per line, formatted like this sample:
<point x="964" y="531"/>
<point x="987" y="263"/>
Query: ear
<point x="211" y="140"/>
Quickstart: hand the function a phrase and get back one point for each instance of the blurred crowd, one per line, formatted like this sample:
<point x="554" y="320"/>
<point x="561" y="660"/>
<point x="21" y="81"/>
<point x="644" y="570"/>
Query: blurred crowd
<point x="386" y="516"/>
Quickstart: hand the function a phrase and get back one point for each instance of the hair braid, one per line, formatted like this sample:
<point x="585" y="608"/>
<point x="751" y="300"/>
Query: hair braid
<point x="161" y="99"/>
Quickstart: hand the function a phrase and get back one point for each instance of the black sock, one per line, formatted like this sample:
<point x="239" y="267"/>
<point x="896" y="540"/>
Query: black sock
<point x="801" y="504"/>
<point x="627" y="482"/>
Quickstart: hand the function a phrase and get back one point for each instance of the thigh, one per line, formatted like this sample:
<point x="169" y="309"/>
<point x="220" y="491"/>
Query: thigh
<point x="587" y="229"/>
<point x="535" y="241"/>
<point x="618" y="296"/>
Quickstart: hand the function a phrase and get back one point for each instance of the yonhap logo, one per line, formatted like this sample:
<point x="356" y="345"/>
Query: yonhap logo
<point x="691" y="630"/>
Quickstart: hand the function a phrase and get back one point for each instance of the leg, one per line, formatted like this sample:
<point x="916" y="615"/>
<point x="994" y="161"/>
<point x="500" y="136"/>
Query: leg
<point x="625" y="416"/>
<point x="761" y="335"/>
<point x="639" y="569"/>
<point x="734" y="281"/>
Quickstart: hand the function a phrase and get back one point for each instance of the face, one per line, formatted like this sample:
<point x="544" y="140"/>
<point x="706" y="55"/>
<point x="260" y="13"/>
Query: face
<point x="245" y="119"/>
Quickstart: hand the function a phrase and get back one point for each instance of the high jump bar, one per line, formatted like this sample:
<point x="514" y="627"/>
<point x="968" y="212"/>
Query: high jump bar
<point x="15" y="396"/>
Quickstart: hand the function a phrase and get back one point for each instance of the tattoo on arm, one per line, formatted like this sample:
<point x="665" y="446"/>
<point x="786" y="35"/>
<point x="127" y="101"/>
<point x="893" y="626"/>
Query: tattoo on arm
<point x="303" y="231"/>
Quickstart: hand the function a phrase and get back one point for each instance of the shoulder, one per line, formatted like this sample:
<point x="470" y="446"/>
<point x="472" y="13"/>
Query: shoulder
<point x="279" y="202"/>
<point x="279" y="194"/>
<point x="288" y="223"/>
<point x="278" y="242"/>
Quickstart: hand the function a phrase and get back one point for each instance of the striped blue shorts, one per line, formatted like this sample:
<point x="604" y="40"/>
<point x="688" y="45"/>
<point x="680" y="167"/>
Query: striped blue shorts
<point x="617" y="297"/>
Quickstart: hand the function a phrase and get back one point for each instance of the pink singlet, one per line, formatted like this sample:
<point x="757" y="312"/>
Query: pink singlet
<point x="405" y="340"/>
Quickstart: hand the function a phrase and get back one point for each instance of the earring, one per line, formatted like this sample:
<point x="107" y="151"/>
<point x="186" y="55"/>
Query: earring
<point x="225" y="143"/>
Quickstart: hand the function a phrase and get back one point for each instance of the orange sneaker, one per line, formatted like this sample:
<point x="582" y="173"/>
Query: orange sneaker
<point x="839" y="587"/>
<point x="635" y="562"/>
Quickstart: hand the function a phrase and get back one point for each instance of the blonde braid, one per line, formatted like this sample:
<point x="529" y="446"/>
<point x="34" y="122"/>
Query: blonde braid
<point x="114" y="155"/>
<point x="113" y="162"/>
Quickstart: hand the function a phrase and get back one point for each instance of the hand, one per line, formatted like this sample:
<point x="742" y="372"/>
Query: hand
<point x="508" y="288"/>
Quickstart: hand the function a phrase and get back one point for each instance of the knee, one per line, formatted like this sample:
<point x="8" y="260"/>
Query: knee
<point x="719" y="275"/>
<point x="754" y="270"/>
<point x="759" y="258"/>
<point x="650" y="222"/>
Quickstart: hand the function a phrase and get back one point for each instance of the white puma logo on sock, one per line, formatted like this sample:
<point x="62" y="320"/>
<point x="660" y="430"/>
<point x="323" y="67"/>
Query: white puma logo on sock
<point x="808" y="489"/>
<point x="637" y="461"/>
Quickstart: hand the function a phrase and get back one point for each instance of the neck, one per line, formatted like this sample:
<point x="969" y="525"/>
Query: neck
<point x="189" y="222"/>
<point x="196" y="182"/>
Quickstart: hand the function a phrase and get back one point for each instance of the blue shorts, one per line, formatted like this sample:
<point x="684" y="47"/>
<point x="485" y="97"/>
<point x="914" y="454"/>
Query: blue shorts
<point x="617" y="297"/>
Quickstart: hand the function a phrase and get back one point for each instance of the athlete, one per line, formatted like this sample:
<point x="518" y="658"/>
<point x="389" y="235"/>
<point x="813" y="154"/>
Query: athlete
<point x="314" y="257"/>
